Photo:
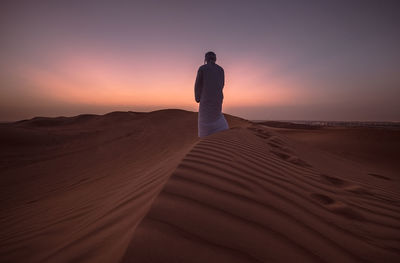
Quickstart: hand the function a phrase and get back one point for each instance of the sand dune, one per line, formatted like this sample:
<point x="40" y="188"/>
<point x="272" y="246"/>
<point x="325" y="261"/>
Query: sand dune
<point x="244" y="195"/>
<point x="73" y="189"/>
<point x="141" y="187"/>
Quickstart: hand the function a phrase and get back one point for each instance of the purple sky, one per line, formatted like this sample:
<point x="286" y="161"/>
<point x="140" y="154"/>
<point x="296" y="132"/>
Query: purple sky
<point x="308" y="60"/>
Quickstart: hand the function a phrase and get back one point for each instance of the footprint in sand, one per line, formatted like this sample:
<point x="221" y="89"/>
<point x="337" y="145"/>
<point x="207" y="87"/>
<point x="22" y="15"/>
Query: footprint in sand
<point x="297" y="161"/>
<point x="281" y="151"/>
<point x="263" y="136"/>
<point x="281" y="154"/>
<point x="260" y="132"/>
<point x="276" y="141"/>
<point x="356" y="189"/>
<point x="291" y="158"/>
<point x="338" y="207"/>
<point x="323" y="199"/>
<point x="379" y="176"/>
<point x="347" y="186"/>
<point x="334" y="180"/>
<point x="272" y="144"/>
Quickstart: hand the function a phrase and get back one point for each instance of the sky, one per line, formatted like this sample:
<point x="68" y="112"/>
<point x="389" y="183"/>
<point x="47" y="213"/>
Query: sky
<point x="283" y="60"/>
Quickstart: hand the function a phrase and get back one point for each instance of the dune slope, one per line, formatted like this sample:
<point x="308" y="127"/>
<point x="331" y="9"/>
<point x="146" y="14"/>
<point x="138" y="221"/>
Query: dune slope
<point x="141" y="187"/>
<point x="74" y="189"/>
<point x="246" y="195"/>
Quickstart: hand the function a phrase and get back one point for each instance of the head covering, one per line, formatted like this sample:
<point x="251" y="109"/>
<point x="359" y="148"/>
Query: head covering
<point x="210" y="56"/>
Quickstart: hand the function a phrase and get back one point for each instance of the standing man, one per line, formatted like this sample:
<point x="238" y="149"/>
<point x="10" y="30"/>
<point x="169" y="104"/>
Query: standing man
<point x="210" y="81"/>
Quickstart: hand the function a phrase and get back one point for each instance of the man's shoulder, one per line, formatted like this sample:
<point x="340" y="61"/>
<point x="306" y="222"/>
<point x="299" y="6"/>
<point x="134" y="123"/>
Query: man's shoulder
<point x="201" y="69"/>
<point x="219" y="67"/>
<point x="205" y="66"/>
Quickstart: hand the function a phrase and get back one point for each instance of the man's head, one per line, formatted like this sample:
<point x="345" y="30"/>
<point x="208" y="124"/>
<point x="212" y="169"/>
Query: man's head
<point x="210" y="57"/>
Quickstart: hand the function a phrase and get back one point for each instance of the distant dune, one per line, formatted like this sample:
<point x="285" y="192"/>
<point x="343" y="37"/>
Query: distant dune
<point x="142" y="187"/>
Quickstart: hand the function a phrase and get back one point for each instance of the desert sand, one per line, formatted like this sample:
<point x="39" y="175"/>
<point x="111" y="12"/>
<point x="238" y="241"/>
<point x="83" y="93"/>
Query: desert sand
<point x="142" y="187"/>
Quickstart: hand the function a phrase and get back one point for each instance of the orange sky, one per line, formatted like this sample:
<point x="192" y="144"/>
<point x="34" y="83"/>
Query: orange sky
<point x="286" y="60"/>
<point x="91" y="79"/>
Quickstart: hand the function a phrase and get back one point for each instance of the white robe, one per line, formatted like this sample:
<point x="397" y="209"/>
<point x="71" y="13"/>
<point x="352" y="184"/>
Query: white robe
<point x="210" y="81"/>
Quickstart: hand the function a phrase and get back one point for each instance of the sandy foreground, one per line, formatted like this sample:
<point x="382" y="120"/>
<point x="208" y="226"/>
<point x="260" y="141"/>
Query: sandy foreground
<point x="141" y="187"/>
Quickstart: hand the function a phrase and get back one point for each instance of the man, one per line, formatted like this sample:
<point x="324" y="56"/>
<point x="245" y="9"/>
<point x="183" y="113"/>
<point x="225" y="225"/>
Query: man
<point x="210" y="81"/>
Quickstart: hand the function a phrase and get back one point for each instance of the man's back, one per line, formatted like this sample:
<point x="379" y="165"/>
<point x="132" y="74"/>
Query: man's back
<point x="213" y="83"/>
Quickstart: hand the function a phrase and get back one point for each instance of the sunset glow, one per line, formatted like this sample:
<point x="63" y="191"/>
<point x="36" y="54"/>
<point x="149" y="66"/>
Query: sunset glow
<point x="69" y="59"/>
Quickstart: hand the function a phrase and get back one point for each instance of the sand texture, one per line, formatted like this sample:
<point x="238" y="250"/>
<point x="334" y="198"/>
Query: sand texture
<point x="141" y="187"/>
